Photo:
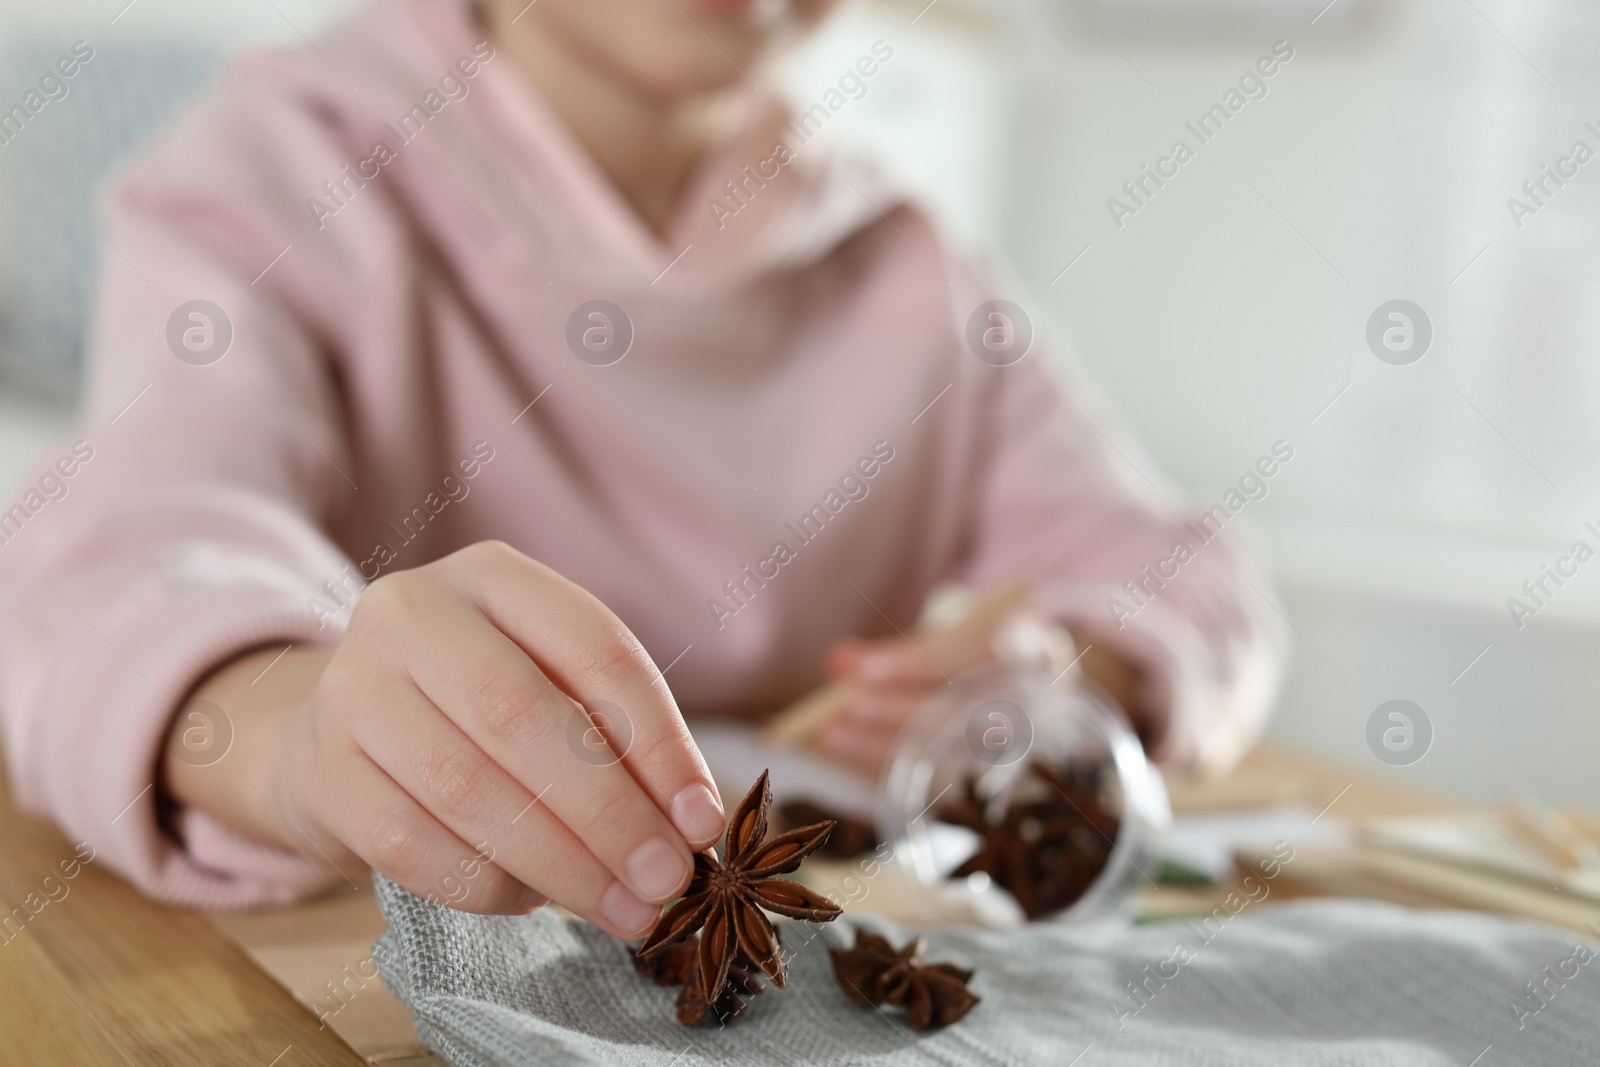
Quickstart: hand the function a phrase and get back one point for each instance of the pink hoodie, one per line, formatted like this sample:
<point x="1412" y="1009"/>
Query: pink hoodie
<point x="782" y="437"/>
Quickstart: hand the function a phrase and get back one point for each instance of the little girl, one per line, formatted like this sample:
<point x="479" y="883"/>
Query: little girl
<point x="480" y="372"/>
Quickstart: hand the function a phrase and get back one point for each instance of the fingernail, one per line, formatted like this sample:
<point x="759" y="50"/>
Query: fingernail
<point x="625" y="911"/>
<point x="657" y="869"/>
<point x="530" y="899"/>
<point x="697" y="815"/>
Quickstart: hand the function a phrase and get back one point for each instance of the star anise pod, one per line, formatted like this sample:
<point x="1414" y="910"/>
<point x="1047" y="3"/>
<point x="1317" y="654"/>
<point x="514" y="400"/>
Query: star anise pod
<point x="726" y="898"/>
<point x="850" y="838"/>
<point x="874" y="971"/>
<point x="670" y="967"/>
<point x="678" y="965"/>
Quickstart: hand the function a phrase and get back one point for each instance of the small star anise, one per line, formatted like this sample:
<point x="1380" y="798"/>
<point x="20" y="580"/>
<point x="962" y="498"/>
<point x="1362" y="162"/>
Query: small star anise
<point x="874" y="971"/>
<point x="725" y="900"/>
<point x="678" y="965"/>
<point x="670" y="967"/>
<point x="743" y="981"/>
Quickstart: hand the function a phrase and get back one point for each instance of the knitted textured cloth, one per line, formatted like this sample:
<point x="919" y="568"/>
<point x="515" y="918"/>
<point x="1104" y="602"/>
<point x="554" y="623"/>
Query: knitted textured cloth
<point x="1313" y="983"/>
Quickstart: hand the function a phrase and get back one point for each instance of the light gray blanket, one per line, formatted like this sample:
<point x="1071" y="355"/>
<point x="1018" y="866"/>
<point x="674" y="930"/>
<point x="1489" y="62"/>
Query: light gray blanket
<point x="1313" y="983"/>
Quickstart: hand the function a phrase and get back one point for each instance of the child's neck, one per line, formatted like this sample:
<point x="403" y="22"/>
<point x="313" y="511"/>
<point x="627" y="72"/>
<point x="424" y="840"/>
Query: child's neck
<point x="645" y="143"/>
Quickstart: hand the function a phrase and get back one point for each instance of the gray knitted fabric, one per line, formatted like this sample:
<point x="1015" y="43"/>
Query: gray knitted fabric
<point x="1313" y="983"/>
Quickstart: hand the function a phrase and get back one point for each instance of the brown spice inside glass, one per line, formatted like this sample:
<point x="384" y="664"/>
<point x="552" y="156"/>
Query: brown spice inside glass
<point x="1045" y="852"/>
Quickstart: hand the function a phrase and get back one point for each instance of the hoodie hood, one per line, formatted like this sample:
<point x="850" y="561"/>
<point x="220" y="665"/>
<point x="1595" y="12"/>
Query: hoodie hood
<point x="393" y="79"/>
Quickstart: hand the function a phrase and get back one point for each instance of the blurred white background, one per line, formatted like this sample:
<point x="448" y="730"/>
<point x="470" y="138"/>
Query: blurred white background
<point x="1229" y="313"/>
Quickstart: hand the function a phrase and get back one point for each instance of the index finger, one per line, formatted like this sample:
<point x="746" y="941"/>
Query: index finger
<point x="581" y="646"/>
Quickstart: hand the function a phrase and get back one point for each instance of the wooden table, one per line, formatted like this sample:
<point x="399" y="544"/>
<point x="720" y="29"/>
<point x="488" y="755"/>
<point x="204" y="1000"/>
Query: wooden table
<point x="104" y="976"/>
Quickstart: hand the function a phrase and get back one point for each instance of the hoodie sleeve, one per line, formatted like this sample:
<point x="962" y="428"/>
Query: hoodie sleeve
<point x="1064" y="499"/>
<point x="184" y="522"/>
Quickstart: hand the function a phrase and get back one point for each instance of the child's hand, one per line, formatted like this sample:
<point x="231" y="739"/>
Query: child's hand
<point x="889" y="679"/>
<point x="444" y="727"/>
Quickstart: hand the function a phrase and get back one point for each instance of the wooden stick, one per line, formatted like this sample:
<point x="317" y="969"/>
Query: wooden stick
<point x="800" y="721"/>
<point x="1419" y="881"/>
<point x="1586" y="821"/>
<point x="1553" y="834"/>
